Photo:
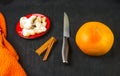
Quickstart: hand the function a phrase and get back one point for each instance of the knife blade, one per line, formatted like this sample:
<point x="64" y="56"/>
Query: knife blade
<point x="66" y="35"/>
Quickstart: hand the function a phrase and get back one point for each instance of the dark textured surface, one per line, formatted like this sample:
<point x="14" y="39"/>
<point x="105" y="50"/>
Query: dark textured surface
<point x="79" y="12"/>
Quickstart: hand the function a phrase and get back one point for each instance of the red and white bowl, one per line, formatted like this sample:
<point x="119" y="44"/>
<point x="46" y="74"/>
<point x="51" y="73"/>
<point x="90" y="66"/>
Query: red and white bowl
<point x="19" y="29"/>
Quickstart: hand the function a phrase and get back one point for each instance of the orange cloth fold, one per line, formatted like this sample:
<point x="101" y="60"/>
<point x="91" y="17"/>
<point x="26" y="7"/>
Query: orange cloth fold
<point x="9" y="65"/>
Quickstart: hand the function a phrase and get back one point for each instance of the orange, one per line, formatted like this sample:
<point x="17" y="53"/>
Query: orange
<point x="94" y="38"/>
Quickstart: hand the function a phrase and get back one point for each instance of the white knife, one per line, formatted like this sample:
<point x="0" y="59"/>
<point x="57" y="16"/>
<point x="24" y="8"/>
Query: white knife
<point x="66" y="35"/>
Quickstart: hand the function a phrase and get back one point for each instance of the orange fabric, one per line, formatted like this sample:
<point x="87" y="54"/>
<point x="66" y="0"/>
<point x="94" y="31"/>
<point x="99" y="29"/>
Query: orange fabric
<point x="9" y="65"/>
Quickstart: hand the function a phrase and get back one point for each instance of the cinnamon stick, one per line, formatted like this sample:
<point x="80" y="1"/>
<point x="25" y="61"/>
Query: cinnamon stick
<point x="47" y="46"/>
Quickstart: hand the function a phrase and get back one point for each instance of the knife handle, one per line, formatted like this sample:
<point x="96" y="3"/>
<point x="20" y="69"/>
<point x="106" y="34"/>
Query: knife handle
<point x="65" y="50"/>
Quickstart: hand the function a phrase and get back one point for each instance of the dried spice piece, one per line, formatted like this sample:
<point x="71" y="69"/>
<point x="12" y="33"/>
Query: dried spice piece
<point x="47" y="46"/>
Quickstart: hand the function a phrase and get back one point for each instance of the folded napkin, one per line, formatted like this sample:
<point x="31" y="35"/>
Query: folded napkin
<point x="9" y="65"/>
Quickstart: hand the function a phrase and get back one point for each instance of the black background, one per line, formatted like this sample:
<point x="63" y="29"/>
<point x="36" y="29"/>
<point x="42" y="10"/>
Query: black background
<point x="79" y="12"/>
